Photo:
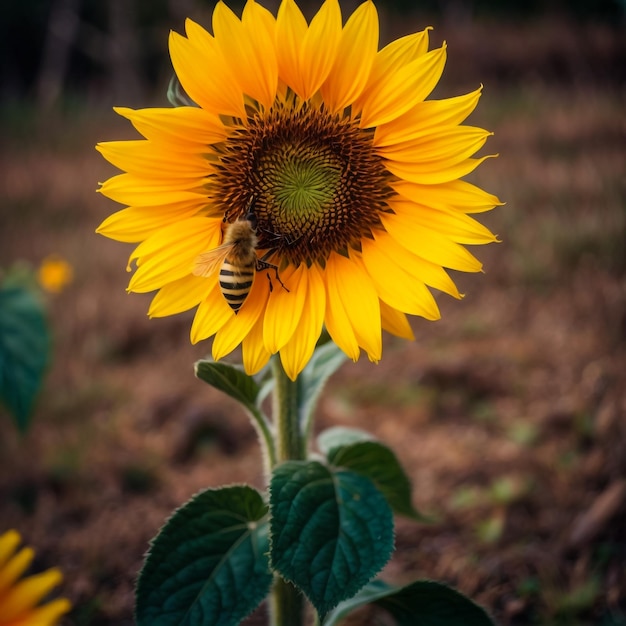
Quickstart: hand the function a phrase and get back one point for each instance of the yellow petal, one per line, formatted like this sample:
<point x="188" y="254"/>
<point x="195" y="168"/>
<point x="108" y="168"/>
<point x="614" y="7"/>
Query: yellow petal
<point x="390" y="59"/>
<point x="357" y="50"/>
<point x="260" y="27"/>
<point x="213" y="312"/>
<point x="28" y="592"/>
<point x="433" y="172"/>
<point x="135" y="191"/>
<point x="134" y="224"/>
<point x="178" y="296"/>
<point x="203" y="72"/>
<point x="395" y="322"/>
<point x="297" y="352"/>
<point x="185" y="125"/>
<point x="48" y="614"/>
<point x="457" y="226"/>
<point x="424" y="117"/>
<point x="249" y="50"/>
<point x="256" y="16"/>
<point x="420" y="269"/>
<point x="15" y="566"/>
<point x="253" y="351"/>
<point x="430" y="244"/>
<point x="336" y="318"/>
<point x="319" y="48"/>
<point x="291" y="27"/>
<point x="449" y="145"/>
<point x="169" y="254"/>
<point x="394" y="284"/>
<point x="9" y="541"/>
<point x="238" y="326"/>
<point x="454" y="194"/>
<point x="401" y="90"/>
<point x="146" y="159"/>
<point x="284" y="308"/>
<point x="353" y="286"/>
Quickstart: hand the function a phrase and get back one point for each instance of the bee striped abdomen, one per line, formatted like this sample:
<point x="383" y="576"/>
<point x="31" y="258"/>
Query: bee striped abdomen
<point x="236" y="282"/>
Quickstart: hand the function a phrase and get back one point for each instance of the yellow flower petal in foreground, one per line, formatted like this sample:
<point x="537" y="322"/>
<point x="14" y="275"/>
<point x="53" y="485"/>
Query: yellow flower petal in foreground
<point x="313" y="185"/>
<point x="19" y="598"/>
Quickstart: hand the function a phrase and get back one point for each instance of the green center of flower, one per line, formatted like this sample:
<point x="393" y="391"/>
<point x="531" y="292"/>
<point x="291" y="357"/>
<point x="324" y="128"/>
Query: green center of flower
<point x="313" y="180"/>
<point x="304" y="181"/>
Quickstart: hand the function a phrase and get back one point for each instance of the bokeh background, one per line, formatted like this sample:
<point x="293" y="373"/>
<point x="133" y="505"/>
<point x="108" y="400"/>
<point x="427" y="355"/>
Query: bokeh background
<point x="509" y="414"/>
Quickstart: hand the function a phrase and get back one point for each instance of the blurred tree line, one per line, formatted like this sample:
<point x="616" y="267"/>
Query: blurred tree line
<point x="91" y="47"/>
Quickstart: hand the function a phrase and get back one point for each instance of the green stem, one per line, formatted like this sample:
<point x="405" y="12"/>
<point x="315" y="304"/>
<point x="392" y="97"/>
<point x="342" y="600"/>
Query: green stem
<point x="286" y="603"/>
<point x="290" y="441"/>
<point x="266" y="437"/>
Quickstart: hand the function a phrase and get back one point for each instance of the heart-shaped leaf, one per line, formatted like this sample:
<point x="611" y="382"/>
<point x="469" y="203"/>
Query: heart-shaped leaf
<point x="380" y="464"/>
<point x="208" y="565"/>
<point x="331" y="530"/>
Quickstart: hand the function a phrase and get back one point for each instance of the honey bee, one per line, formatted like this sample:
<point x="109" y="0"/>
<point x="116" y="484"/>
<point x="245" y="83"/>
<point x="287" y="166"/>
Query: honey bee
<point x="237" y="261"/>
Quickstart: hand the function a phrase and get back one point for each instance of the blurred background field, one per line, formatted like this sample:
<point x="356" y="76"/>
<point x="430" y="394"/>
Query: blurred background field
<point x="509" y="413"/>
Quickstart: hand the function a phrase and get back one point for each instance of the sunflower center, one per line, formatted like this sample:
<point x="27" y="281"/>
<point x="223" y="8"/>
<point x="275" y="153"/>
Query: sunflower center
<point x="313" y="179"/>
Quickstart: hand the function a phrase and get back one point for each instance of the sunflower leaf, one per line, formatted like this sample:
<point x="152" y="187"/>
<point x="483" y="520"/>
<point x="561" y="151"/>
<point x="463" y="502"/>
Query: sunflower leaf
<point x="231" y="380"/>
<point x="176" y="95"/>
<point x="208" y="564"/>
<point x="339" y="436"/>
<point x="423" y="602"/>
<point x="331" y="530"/>
<point x="374" y="460"/>
<point x="374" y="590"/>
<point x="24" y="350"/>
<point x="325" y="361"/>
<point x="430" y="603"/>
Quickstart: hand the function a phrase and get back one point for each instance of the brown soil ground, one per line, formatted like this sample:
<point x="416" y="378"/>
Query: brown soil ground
<point x="509" y="414"/>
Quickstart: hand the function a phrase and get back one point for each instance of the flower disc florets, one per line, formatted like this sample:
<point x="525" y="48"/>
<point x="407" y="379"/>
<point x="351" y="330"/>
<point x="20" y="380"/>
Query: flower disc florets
<point x="353" y="177"/>
<point x="317" y="184"/>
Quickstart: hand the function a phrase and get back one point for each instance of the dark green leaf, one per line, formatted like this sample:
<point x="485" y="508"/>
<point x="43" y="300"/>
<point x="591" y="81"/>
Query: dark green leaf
<point x="372" y="591"/>
<point x="422" y="603"/>
<point x="234" y="382"/>
<point x="24" y="350"/>
<point x="331" y="530"/>
<point x="230" y="380"/>
<point x="208" y="565"/>
<point x="340" y="436"/>
<point x="428" y="603"/>
<point x="325" y="361"/>
<point x="380" y="465"/>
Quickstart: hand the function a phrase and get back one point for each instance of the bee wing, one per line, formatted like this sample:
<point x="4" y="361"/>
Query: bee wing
<point x="209" y="262"/>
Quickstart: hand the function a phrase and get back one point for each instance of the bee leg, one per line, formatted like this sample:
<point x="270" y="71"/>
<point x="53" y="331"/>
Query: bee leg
<point x="264" y="265"/>
<point x="270" y="282"/>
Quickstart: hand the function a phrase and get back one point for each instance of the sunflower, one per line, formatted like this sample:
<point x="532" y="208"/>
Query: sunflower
<point x="328" y="149"/>
<point x="19" y="598"/>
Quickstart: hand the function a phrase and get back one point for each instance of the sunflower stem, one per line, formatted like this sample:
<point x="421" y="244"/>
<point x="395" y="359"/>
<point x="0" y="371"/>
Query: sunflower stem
<point x="291" y="442"/>
<point x="286" y="602"/>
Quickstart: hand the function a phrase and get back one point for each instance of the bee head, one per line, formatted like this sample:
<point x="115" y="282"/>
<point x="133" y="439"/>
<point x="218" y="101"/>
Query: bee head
<point x="251" y="217"/>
